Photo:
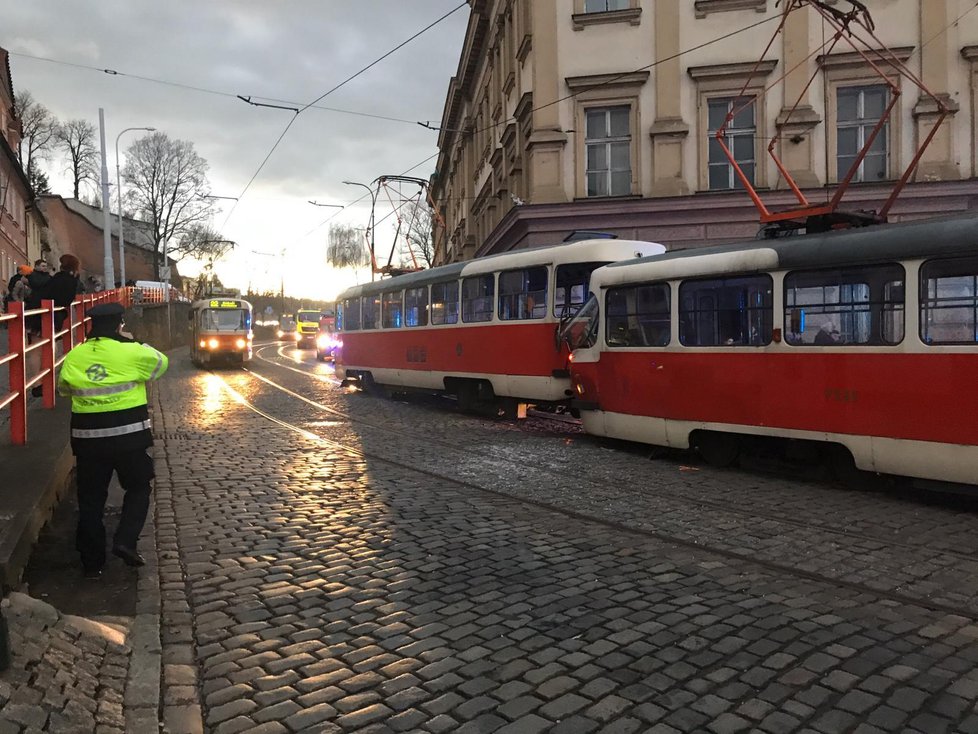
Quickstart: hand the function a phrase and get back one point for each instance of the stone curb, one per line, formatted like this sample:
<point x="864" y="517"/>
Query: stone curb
<point x="182" y="712"/>
<point x="142" y="693"/>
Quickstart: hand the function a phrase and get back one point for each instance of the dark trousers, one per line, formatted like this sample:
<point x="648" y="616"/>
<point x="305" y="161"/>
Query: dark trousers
<point x="135" y="470"/>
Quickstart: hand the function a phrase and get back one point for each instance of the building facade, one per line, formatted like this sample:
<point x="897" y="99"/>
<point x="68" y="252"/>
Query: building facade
<point x="600" y="115"/>
<point x="16" y="197"/>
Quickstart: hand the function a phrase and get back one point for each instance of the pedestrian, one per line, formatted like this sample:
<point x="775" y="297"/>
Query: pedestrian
<point x="38" y="282"/>
<point x="63" y="287"/>
<point x="16" y="286"/>
<point x="106" y="378"/>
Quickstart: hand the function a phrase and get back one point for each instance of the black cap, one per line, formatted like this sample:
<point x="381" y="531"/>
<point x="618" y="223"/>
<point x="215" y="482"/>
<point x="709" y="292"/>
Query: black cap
<point x="106" y="310"/>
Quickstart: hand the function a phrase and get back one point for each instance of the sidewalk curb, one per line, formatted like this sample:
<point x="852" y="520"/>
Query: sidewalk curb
<point x="181" y="711"/>
<point x="142" y="694"/>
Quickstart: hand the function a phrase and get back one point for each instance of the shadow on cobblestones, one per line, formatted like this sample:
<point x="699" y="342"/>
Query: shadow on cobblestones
<point x="332" y="592"/>
<point x="54" y="571"/>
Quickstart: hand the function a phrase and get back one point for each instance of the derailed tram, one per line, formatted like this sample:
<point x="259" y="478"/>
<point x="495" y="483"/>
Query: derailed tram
<point x="860" y="344"/>
<point x="484" y="330"/>
<point x="221" y="331"/>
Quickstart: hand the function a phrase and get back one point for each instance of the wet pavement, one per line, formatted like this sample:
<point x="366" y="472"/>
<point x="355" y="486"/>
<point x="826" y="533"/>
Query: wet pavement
<point x="347" y="563"/>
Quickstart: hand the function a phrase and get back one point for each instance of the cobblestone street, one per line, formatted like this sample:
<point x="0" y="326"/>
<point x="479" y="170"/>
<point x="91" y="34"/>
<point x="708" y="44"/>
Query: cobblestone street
<point x="360" y="564"/>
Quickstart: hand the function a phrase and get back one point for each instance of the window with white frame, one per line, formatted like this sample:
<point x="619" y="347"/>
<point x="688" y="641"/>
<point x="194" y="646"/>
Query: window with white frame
<point x="739" y="137"/>
<point x="603" y="6"/>
<point x="608" y="151"/>
<point x="858" y="111"/>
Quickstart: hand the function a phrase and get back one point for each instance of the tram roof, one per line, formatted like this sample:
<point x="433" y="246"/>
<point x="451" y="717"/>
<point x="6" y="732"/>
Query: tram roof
<point x="880" y="243"/>
<point x="603" y="249"/>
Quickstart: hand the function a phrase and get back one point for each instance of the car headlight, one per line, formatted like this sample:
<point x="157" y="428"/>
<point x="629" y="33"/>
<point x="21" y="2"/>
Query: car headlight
<point x="213" y="343"/>
<point x="323" y="341"/>
<point x="279" y="334"/>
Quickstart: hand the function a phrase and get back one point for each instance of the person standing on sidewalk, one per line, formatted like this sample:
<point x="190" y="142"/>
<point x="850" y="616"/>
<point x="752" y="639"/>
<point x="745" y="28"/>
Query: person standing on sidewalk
<point x="106" y="378"/>
<point x="63" y="287"/>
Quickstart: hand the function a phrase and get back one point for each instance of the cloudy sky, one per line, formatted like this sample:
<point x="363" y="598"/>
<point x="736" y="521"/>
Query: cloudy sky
<point x="288" y="50"/>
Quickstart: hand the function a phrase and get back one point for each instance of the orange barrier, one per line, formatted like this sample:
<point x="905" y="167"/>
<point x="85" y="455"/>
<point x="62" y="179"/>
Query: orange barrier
<point x="71" y="333"/>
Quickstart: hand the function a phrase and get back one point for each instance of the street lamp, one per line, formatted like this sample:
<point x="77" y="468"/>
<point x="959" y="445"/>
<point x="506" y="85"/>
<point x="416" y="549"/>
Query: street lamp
<point x="370" y="226"/>
<point x="118" y="180"/>
<point x="332" y="206"/>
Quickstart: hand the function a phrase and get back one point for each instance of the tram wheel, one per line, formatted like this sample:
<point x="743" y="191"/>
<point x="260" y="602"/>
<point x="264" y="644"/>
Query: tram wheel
<point x="372" y="387"/>
<point x="717" y="449"/>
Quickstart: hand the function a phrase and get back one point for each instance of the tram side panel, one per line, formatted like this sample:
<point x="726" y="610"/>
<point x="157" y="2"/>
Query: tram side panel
<point x="520" y="359"/>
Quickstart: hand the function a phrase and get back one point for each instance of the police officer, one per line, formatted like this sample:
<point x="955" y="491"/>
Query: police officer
<point x="106" y="378"/>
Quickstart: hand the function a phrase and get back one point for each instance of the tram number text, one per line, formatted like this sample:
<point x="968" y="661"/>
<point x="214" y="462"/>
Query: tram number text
<point x="838" y="395"/>
<point x="417" y="355"/>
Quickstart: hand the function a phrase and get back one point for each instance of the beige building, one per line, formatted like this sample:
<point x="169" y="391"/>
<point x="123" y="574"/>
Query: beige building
<point x="597" y="114"/>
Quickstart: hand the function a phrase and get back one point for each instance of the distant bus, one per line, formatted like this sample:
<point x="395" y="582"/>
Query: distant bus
<point x="286" y="329"/>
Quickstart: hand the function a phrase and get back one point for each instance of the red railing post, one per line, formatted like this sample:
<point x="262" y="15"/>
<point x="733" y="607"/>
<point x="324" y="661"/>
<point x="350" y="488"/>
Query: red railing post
<point x="16" y="344"/>
<point x="48" y="352"/>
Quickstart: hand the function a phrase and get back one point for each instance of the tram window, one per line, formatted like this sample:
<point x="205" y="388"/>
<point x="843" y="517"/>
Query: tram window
<point x="351" y="314"/>
<point x="391" y="308"/>
<point x="523" y="294"/>
<point x="844" y="306"/>
<point x="477" y="298"/>
<point x="416" y="306"/>
<point x="444" y="303"/>
<point x="571" y="287"/>
<point x="726" y="312"/>
<point x="370" y="306"/>
<point x="229" y="319"/>
<point x="949" y="301"/>
<point x="638" y="316"/>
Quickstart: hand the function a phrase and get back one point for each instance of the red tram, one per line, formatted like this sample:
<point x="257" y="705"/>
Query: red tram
<point x="483" y="330"/>
<point x="865" y="339"/>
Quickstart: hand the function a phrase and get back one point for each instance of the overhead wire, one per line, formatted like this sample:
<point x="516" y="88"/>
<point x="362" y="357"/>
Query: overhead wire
<point x="205" y="90"/>
<point x="325" y="94"/>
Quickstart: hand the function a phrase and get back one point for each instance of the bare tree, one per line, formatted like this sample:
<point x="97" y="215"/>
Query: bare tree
<point x="418" y="227"/>
<point x="76" y="139"/>
<point x="347" y="247"/>
<point x="201" y="242"/>
<point x="39" y="127"/>
<point x="166" y="182"/>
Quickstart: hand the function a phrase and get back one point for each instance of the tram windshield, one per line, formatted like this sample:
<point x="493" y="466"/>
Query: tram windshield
<point x="225" y="319"/>
<point x="582" y="330"/>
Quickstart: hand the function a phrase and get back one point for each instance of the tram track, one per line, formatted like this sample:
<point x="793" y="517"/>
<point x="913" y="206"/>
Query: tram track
<point x="698" y="502"/>
<point x="667" y="538"/>
<point x="664" y="537"/>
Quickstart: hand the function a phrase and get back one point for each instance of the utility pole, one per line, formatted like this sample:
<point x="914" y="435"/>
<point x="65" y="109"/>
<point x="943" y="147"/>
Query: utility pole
<point x="118" y="183"/>
<point x="109" y="271"/>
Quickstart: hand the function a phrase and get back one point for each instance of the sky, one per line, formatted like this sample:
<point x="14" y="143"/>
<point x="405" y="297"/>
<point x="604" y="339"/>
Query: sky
<point x="292" y="50"/>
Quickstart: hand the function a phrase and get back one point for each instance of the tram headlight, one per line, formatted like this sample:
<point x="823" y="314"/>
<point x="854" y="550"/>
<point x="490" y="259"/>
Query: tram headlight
<point x="203" y="343"/>
<point x="240" y="343"/>
<point x="213" y="343"/>
<point x="324" y="341"/>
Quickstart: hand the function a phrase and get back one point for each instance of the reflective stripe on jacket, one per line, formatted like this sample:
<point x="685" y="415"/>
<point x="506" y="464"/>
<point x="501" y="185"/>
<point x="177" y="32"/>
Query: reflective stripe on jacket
<point x="103" y="375"/>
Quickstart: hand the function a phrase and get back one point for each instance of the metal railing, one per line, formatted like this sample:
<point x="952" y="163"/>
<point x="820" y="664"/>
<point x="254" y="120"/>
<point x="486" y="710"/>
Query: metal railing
<point x="71" y="332"/>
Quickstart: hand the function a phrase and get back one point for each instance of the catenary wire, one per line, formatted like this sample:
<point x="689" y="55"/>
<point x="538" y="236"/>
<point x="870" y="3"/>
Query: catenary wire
<point x="329" y="92"/>
<point x="204" y="90"/>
